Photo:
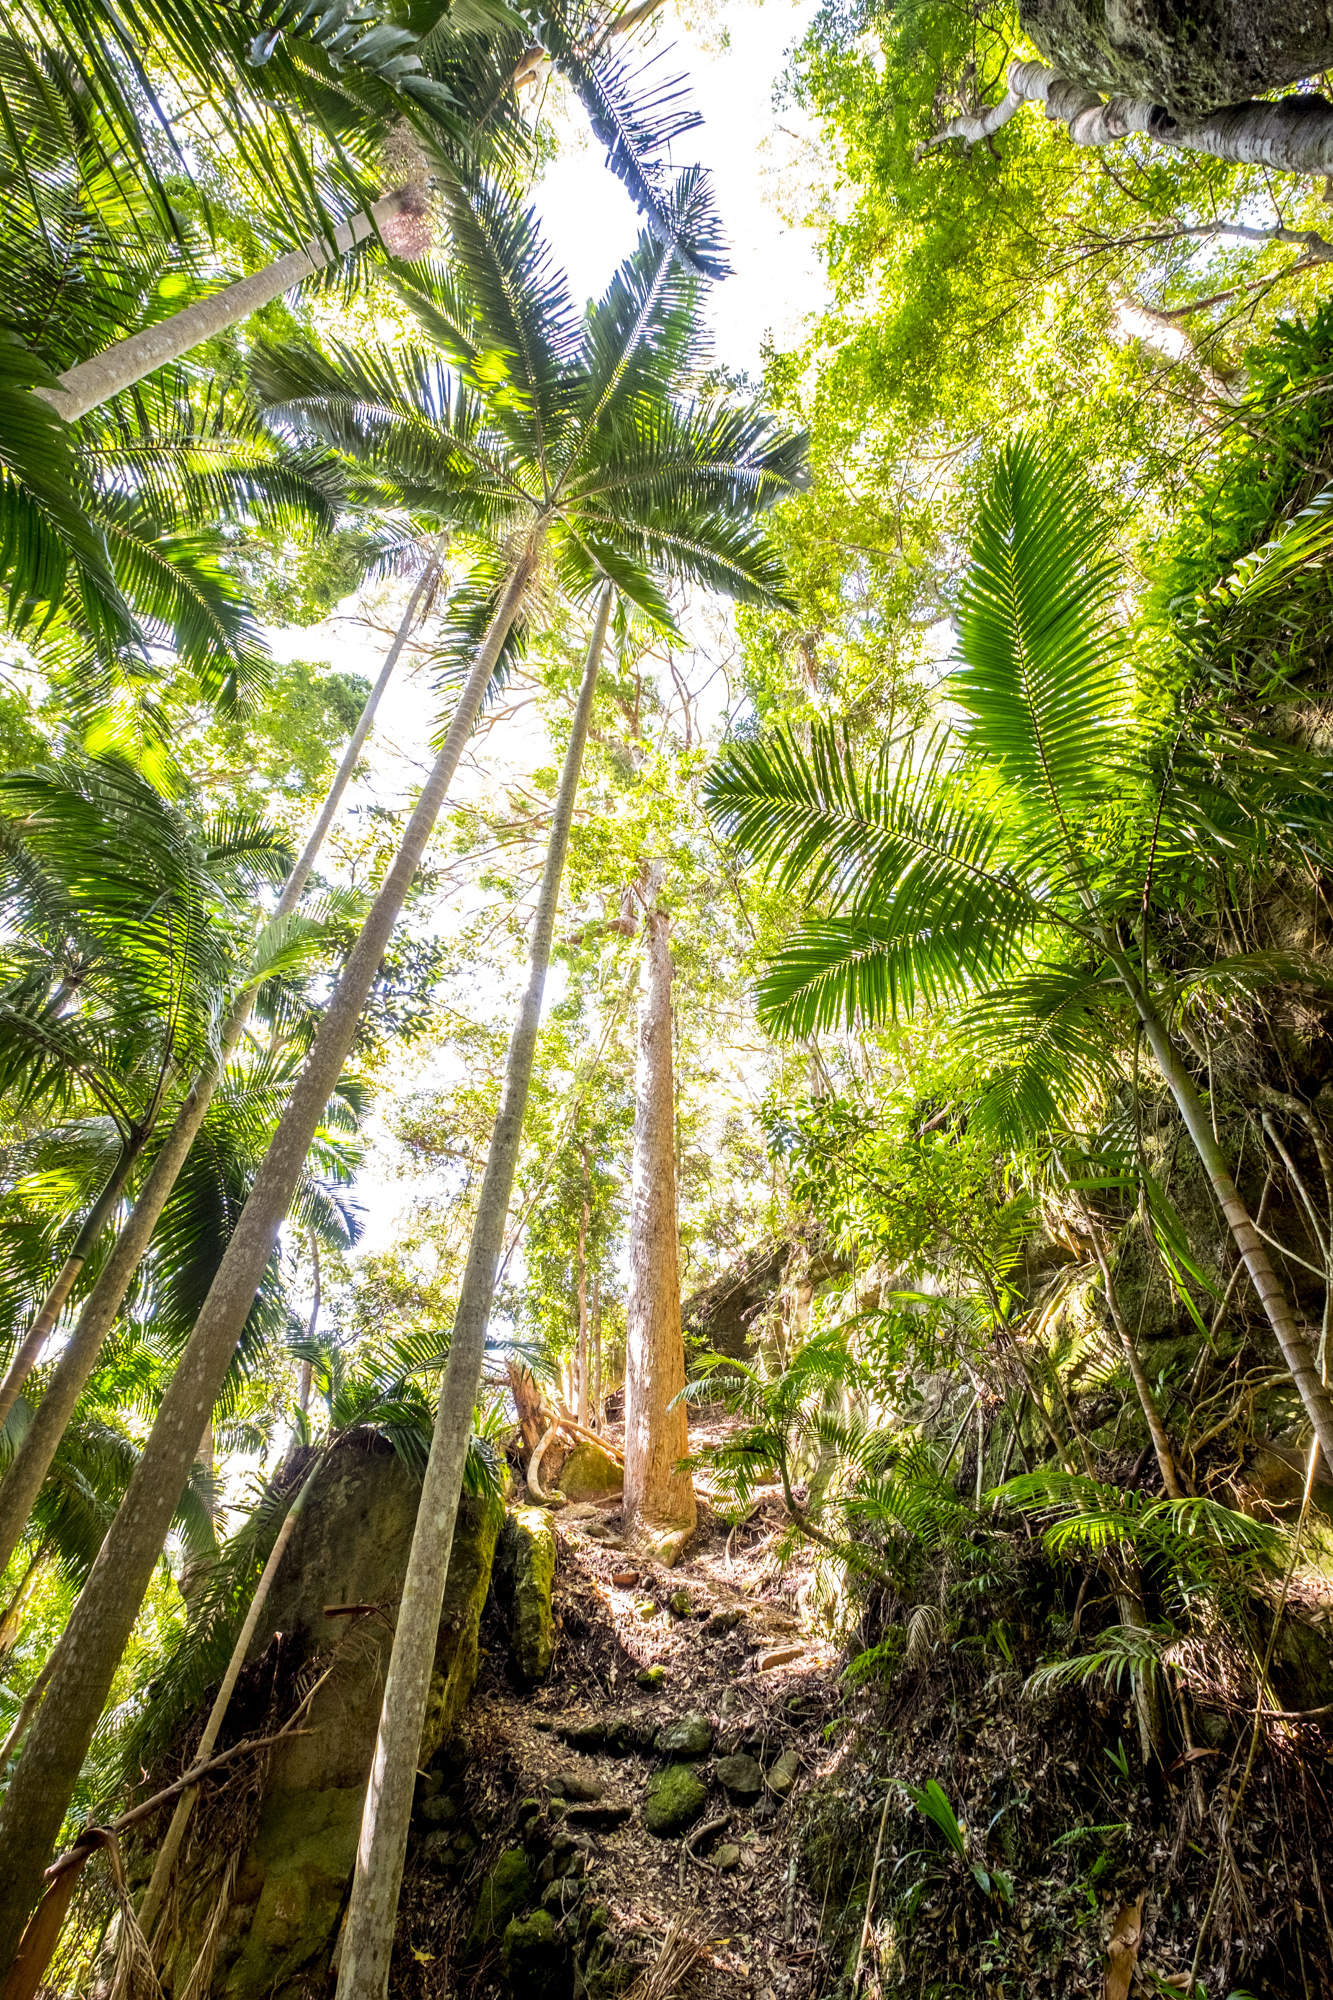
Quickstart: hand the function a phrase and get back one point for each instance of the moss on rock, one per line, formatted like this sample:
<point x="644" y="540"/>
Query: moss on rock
<point x="525" y="1578"/>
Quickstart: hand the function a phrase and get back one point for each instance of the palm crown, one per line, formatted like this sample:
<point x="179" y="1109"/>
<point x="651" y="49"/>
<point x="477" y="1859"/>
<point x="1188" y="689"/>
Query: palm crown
<point x="538" y="427"/>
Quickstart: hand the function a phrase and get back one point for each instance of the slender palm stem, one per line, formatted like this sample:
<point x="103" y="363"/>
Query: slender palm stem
<point x="127" y="361"/>
<point x="103" y="1618"/>
<point x="32" y="1461"/>
<point x="368" y="1935"/>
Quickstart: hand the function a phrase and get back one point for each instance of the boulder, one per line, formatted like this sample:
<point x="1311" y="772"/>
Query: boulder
<point x="524" y="1579"/>
<point x="349" y="1548"/>
<point x="784" y="1773"/>
<point x="650" y="1677"/>
<point x="535" y="1959"/>
<point x="673" y="1800"/>
<point x="690" y="1735"/>
<point x="727" y="1857"/>
<point x="740" y="1778"/>
<point x="589" y="1473"/>
<point x="507" y="1890"/>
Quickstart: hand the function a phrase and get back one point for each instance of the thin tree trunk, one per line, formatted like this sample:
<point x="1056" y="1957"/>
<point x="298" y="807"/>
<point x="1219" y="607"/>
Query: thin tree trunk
<point x="312" y="1327"/>
<point x="32" y="1461"/>
<point x="127" y="361"/>
<point x="368" y="1933"/>
<point x="659" y="1501"/>
<point x="155" y="1893"/>
<point x="597" y="1398"/>
<point x="1157" y="1431"/>
<point x="582" y="1408"/>
<point x="104" y="1615"/>
<point x="1294" y="1347"/>
<point x="33" y="1341"/>
<point x="1295" y="135"/>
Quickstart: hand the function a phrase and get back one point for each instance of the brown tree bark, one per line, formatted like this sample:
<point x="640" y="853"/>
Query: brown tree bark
<point x="659" y="1501"/>
<point x="584" y="1217"/>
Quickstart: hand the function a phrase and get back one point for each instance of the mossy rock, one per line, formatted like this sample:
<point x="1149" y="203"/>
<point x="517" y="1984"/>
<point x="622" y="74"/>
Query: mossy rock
<point x="535" y="1959"/>
<point x="525" y="1578"/>
<point x="507" y="1890"/>
<point x="589" y="1473"/>
<point x="673" y="1800"/>
<point x="690" y="1735"/>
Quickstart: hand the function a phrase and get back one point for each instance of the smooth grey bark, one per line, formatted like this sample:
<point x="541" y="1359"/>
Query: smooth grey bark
<point x="104" y="1615"/>
<point x="32" y="1461"/>
<point x="127" y="361"/>
<point x="367" y="1944"/>
<point x="155" y="1894"/>
<point x="1294" y="136"/>
<point x="659" y="1501"/>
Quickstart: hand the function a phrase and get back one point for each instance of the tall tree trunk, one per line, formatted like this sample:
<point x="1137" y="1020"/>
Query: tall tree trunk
<point x="32" y="1461"/>
<point x="33" y="1341"/>
<point x="659" y="1501"/>
<point x="127" y="361"/>
<point x="582" y="1409"/>
<point x="312" y="1328"/>
<point x="1295" y="135"/>
<point x="367" y="1944"/>
<point x="1294" y="1347"/>
<point x="1152" y="1416"/>
<point x="597" y="1398"/>
<point x="104" y="1615"/>
<point x="155" y="1893"/>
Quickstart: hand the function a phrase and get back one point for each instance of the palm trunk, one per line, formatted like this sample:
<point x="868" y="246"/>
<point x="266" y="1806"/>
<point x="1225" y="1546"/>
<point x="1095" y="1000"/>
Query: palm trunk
<point x="33" y="1341"/>
<point x="312" y="1327"/>
<point x="1295" y="1348"/>
<point x="32" y="1461"/>
<point x="659" y="1501"/>
<point x="126" y="362"/>
<point x="155" y="1893"/>
<point x="367" y="1943"/>
<point x="104" y="1615"/>
<point x="582" y="1410"/>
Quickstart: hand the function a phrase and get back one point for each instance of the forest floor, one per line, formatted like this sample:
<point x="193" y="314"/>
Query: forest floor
<point x="728" y="1629"/>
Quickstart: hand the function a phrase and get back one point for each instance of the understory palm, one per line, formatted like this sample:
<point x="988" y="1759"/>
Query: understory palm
<point x="1030" y="863"/>
<point x="568" y="435"/>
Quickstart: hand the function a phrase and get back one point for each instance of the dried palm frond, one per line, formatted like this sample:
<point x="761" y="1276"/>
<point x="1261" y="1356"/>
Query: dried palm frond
<point x="673" y="1965"/>
<point x="925" y="1630"/>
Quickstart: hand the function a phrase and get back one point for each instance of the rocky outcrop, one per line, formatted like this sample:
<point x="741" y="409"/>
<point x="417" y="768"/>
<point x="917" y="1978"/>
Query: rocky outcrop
<point x="335" y="1594"/>
<point x="589" y="1473"/>
<point x="524" y="1579"/>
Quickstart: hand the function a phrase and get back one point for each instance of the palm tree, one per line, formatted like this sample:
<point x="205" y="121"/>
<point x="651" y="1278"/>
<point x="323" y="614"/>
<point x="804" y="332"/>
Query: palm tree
<point x="119" y="915"/>
<point x="1014" y="866"/>
<point x="565" y="439"/>
<point x="23" y="1480"/>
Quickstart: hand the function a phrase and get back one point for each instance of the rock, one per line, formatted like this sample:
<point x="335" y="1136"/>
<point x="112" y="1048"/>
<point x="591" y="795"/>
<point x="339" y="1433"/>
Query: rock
<point x="624" y="1579"/>
<point x="584" y="1733"/>
<point x="690" y="1735"/>
<point x="597" y="1818"/>
<point x="722" y="1621"/>
<point x="781" y="1656"/>
<point x="650" y="1677"/>
<point x="589" y="1473"/>
<point x="504" y="1892"/>
<point x="627" y="1733"/>
<point x="646" y="1609"/>
<point x="535" y="1959"/>
<point x="673" y="1801"/>
<point x="610" y="1980"/>
<point x="727" y="1857"/>
<point x="349" y="1547"/>
<point x="524" y="1576"/>
<point x="569" y="1785"/>
<point x="665" y="1544"/>
<point x="740" y="1778"/>
<point x="441" y="1810"/>
<point x="678" y="1604"/>
<point x="784" y="1773"/>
